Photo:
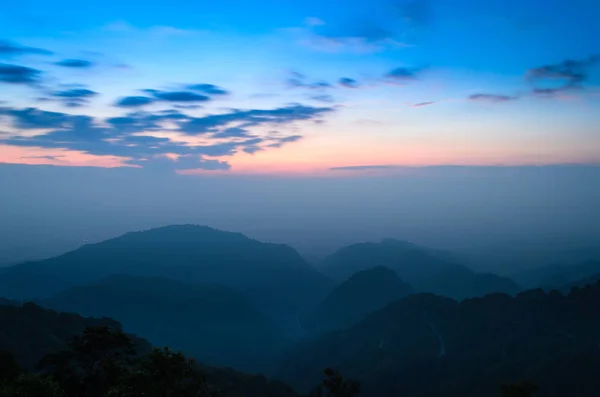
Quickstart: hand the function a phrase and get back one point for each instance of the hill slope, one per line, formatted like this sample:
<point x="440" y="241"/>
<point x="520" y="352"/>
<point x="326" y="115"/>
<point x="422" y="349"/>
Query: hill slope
<point x="363" y="293"/>
<point x="215" y="324"/>
<point x="559" y="275"/>
<point x="188" y="253"/>
<point x="430" y="345"/>
<point x="426" y="270"/>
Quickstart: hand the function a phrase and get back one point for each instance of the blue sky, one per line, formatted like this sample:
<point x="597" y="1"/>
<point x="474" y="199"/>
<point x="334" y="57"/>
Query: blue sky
<point x="299" y="87"/>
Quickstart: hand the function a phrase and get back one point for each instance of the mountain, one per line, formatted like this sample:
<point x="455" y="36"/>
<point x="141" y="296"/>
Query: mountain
<point x="425" y="345"/>
<point x="426" y="270"/>
<point x="29" y="332"/>
<point x="215" y="324"/>
<point x="187" y="253"/>
<point x="558" y="276"/>
<point x="363" y="293"/>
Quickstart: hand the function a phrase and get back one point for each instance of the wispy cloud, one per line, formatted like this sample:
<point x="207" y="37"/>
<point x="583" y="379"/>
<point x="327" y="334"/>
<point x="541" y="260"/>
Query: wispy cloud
<point x="75" y="63"/>
<point x="422" y="104"/>
<point x="17" y="74"/>
<point x="11" y="49"/>
<point x="492" y="98"/>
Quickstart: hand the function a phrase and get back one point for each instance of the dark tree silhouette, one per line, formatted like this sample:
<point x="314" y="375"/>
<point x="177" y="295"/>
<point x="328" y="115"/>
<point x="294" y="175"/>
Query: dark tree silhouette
<point x="521" y="389"/>
<point x="31" y="385"/>
<point x="335" y="385"/>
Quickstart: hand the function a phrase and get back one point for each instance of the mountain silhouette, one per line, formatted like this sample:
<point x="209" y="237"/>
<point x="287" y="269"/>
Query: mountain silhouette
<point x="430" y="345"/>
<point x="558" y="276"/>
<point x="215" y="324"/>
<point x="363" y="293"/>
<point x="425" y="269"/>
<point x="197" y="254"/>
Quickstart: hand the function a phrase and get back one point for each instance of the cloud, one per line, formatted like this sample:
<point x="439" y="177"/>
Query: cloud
<point x="32" y="118"/>
<point x="298" y="80"/>
<point x="323" y="98"/>
<point x="10" y="49"/>
<point x="16" y="74"/>
<point x="566" y="75"/>
<point x="403" y="73"/>
<point x="493" y="98"/>
<point x="74" y="97"/>
<point x="279" y="142"/>
<point x="252" y="149"/>
<point x="154" y="140"/>
<point x="348" y="82"/>
<point x="187" y="107"/>
<point x="47" y="157"/>
<point x="75" y="63"/>
<point x="253" y="117"/>
<point x="422" y="104"/>
<point x="234" y="132"/>
<point x="177" y="96"/>
<point x="133" y="101"/>
<point x="207" y="89"/>
<point x="358" y="35"/>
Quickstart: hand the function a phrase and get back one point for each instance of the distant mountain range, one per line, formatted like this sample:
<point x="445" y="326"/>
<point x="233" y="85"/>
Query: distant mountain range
<point x="363" y="293"/>
<point x="215" y="324"/>
<point x="231" y="300"/>
<point x="29" y="333"/>
<point x="426" y="270"/>
<point x="190" y="253"/>
<point x="427" y="345"/>
<point x="558" y="276"/>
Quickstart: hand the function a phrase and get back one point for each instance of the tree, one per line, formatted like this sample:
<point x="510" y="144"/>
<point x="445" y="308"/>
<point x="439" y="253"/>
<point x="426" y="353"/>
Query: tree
<point x="31" y="385"/>
<point x="521" y="389"/>
<point x="93" y="363"/>
<point x="164" y="373"/>
<point x="9" y="369"/>
<point x="335" y="385"/>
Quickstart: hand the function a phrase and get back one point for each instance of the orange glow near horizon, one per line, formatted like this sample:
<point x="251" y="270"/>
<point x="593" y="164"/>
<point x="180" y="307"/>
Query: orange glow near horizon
<point x="59" y="157"/>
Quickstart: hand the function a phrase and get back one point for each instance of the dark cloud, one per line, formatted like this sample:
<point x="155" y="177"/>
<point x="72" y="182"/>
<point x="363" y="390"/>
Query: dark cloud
<point x="130" y="136"/>
<point x="10" y="49"/>
<point x="75" y="63"/>
<point x="547" y="91"/>
<point x="208" y="89"/>
<point x="252" y="149"/>
<point x="254" y="117"/>
<point x="366" y="31"/>
<point x="134" y="101"/>
<point x="402" y="73"/>
<point x="75" y="97"/>
<point x="178" y="96"/>
<point x="298" y="80"/>
<point x="492" y="98"/>
<point x="422" y="104"/>
<point x="348" y="82"/>
<point x="32" y="118"/>
<point x="234" y="132"/>
<point x="188" y="107"/>
<point x="323" y="98"/>
<point x="567" y="75"/>
<point x="279" y="142"/>
<point x="55" y="157"/>
<point x="16" y="74"/>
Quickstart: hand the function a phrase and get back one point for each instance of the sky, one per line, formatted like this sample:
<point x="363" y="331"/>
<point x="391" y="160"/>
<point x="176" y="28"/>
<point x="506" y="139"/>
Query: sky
<point x="310" y="88"/>
<point x="469" y="125"/>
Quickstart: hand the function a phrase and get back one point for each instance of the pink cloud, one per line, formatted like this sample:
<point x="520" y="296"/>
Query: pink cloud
<point x="61" y="157"/>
